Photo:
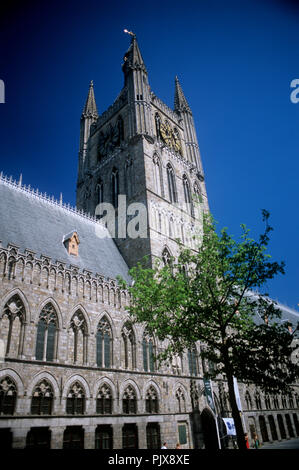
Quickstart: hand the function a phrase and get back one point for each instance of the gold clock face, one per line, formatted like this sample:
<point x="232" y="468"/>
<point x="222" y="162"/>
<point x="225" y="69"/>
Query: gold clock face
<point x="170" y="137"/>
<point x="166" y="132"/>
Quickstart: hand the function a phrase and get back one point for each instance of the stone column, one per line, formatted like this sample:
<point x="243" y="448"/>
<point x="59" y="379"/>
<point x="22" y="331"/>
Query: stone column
<point x="19" y="437"/>
<point x="117" y="436"/>
<point x="142" y="435"/>
<point x="89" y="437"/>
<point x="57" y="437"/>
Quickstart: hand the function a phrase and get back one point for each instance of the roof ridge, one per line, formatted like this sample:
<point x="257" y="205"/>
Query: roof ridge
<point x="19" y="186"/>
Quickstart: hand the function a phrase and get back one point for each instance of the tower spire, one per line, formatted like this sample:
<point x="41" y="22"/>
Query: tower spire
<point x="133" y="58"/>
<point x="90" y="108"/>
<point x="180" y="102"/>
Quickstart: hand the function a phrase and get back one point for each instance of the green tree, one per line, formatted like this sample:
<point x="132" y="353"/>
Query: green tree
<point x="213" y="295"/>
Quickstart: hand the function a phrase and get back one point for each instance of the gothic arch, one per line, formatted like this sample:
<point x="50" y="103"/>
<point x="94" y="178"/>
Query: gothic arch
<point x="115" y="186"/>
<point x="81" y="309"/>
<point x="129" y="344"/>
<point x="182" y="387"/>
<point x="180" y="395"/>
<point x="151" y="383"/>
<point x="127" y="319"/>
<point x="166" y="255"/>
<point x="158" y="174"/>
<point x="16" y="378"/>
<point x="171" y="180"/>
<point x="100" y="382"/>
<point x="133" y="384"/>
<point x="43" y="375"/>
<point x="104" y="343"/>
<point x="209" y="429"/>
<point x="71" y="380"/>
<point x="100" y="316"/>
<point x="23" y="298"/>
<point x="56" y="307"/>
<point x="13" y="319"/>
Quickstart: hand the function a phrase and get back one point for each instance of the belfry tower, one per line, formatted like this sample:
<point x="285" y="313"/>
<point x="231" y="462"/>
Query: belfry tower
<point x="141" y="148"/>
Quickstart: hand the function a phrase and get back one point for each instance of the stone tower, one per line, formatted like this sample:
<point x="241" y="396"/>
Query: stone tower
<point x="144" y="150"/>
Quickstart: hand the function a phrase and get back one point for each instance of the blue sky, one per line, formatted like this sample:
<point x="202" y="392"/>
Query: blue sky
<point x="235" y="61"/>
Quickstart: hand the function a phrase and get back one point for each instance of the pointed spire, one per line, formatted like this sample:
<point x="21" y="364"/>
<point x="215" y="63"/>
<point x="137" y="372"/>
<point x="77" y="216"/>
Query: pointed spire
<point x="90" y="108"/>
<point x="180" y="102"/>
<point x="133" y="58"/>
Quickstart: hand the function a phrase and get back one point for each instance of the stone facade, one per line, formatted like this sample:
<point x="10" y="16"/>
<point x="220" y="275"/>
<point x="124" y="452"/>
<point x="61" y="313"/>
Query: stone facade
<point x="74" y="371"/>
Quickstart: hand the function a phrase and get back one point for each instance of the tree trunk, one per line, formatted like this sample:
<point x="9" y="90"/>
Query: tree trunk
<point x="232" y="398"/>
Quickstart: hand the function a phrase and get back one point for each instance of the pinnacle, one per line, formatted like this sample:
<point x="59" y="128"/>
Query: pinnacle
<point x="133" y="55"/>
<point x="180" y="102"/>
<point x="90" y="108"/>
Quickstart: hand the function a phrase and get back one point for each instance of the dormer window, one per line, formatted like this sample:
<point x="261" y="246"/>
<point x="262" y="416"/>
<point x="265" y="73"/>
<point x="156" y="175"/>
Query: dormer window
<point x="71" y="243"/>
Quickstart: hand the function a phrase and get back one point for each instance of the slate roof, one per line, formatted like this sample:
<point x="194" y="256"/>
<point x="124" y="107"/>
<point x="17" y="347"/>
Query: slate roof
<point x="39" y="224"/>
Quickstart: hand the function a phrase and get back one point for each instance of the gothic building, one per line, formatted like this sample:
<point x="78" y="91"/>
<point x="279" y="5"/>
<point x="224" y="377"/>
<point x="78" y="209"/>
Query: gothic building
<point x="74" y="371"/>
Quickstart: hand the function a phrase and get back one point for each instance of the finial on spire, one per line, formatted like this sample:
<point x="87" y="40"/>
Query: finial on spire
<point x="90" y="107"/>
<point x="130" y="33"/>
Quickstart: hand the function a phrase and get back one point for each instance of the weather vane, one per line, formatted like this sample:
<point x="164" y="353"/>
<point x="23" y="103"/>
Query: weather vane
<point x="130" y="33"/>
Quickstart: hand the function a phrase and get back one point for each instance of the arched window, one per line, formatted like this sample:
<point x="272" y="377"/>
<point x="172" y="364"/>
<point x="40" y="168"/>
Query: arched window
<point x="104" y="344"/>
<point x="78" y="338"/>
<point x="158" y="180"/>
<point x="248" y="400"/>
<point x="180" y="398"/>
<point x="151" y="401"/>
<point x="166" y="257"/>
<point x="129" y="346"/>
<point x="148" y="352"/>
<point x="129" y="401"/>
<point x="258" y="402"/>
<point x="75" y="402"/>
<point x="11" y="326"/>
<point x="187" y="195"/>
<point x="46" y="334"/>
<point x="157" y="123"/>
<point x="193" y="361"/>
<point x="114" y="187"/>
<point x="104" y="400"/>
<point x="8" y="396"/>
<point x="42" y="399"/>
<point x="171" y="184"/>
<point x="99" y="192"/>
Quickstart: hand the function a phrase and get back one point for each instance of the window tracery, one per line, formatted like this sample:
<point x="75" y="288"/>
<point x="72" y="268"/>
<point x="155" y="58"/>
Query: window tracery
<point x="12" y="326"/>
<point x="42" y="399"/>
<point x="104" y="343"/>
<point x="104" y="400"/>
<point x="75" y="402"/>
<point x="8" y="396"/>
<point x="129" y="401"/>
<point x="129" y="345"/>
<point x="151" y="401"/>
<point x="46" y="334"/>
